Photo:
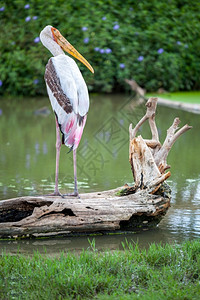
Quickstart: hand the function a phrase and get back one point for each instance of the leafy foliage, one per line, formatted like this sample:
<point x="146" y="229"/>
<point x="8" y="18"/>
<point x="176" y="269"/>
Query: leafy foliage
<point x="154" y="42"/>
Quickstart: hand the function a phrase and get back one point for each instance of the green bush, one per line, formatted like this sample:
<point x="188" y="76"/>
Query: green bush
<point x="155" y="42"/>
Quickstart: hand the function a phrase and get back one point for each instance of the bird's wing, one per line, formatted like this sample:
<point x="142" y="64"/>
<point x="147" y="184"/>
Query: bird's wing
<point x="66" y="98"/>
<point x="82" y="91"/>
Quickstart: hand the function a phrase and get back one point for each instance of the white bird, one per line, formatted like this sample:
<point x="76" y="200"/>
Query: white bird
<point x="68" y="95"/>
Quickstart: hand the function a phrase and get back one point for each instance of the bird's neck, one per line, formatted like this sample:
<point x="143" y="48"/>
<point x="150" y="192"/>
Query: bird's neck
<point x="51" y="45"/>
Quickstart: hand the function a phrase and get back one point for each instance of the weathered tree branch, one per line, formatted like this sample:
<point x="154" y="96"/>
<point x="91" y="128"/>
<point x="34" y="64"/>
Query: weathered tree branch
<point x="172" y="136"/>
<point x="151" y="111"/>
<point x="140" y="92"/>
<point x="150" y="115"/>
<point x="148" y="158"/>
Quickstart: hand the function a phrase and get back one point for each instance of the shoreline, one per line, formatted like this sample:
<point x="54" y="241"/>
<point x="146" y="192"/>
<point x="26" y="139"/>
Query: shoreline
<point x="190" y="107"/>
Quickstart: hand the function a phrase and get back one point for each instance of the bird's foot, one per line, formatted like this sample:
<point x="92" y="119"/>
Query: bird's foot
<point x="56" y="194"/>
<point x="74" y="194"/>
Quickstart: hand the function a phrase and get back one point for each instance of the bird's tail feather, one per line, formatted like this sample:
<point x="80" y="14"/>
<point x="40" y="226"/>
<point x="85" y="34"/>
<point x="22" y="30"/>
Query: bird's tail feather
<point x="73" y="133"/>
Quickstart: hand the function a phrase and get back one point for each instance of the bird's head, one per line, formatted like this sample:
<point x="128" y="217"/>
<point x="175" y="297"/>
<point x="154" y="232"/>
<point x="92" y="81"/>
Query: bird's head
<point x="56" y="36"/>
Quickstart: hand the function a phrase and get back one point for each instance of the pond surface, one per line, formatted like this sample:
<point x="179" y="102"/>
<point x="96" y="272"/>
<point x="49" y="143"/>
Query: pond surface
<point x="27" y="163"/>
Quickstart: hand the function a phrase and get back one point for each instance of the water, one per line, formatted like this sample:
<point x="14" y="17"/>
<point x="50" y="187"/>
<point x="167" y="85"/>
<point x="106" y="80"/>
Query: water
<point x="27" y="163"/>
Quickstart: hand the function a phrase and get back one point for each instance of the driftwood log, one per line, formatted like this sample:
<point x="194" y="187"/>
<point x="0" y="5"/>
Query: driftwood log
<point x="93" y="212"/>
<point x="128" y="208"/>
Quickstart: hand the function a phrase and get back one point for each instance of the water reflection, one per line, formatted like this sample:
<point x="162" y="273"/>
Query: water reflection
<point x="27" y="160"/>
<point x="183" y="219"/>
<point x="54" y="246"/>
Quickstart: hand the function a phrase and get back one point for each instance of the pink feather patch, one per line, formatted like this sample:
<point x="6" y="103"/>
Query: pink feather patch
<point x="69" y="125"/>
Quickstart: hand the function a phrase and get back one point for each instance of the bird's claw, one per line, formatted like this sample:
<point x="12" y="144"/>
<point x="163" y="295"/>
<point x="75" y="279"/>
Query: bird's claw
<point x="56" y="194"/>
<point x="75" y="194"/>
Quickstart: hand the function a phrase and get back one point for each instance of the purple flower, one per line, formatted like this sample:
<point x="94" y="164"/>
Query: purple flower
<point x="37" y="39"/>
<point x="28" y="19"/>
<point x="27" y="6"/>
<point x="1" y="82"/>
<point x="96" y="49"/>
<point x="178" y="43"/>
<point x="1" y="111"/>
<point x="102" y="51"/>
<point x="86" y="40"/>
<point x="136" y="33"/>
<point x="104" y="18"/>
<point x="34" y="17"/>
<point x="122" y="66"/>
<point x="84" y="28"/>
<point x="35" y="81"/>
<point x="116" y="27"/>
<point x="140" y="58"/>
<point x="108" y="50"/>
<point x="2" y="8"/>
<point x="160" y="51"/>
<point x="130" y="8"/>
<point x="186" y="46"/>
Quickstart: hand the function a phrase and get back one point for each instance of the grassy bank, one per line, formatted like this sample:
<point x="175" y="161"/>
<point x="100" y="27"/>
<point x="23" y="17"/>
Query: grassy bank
<point x="188" y="97"/>
<point x="161" y="272"/>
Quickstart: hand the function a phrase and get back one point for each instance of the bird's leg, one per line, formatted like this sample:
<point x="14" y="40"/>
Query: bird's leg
<point x="58" y="146"/>
<point x="75" y="194"/>
<point x="75" y="174"/>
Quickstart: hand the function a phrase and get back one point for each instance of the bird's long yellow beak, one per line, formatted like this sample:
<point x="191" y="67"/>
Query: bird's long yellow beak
<point x="65" y="45"/>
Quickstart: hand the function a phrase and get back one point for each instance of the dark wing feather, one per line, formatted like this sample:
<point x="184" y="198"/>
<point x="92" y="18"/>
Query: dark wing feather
<point x="53" y="83"/>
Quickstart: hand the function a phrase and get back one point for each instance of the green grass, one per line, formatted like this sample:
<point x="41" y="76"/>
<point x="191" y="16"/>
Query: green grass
<point x="161" y="272"/>
<point x="189" y="97"/>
